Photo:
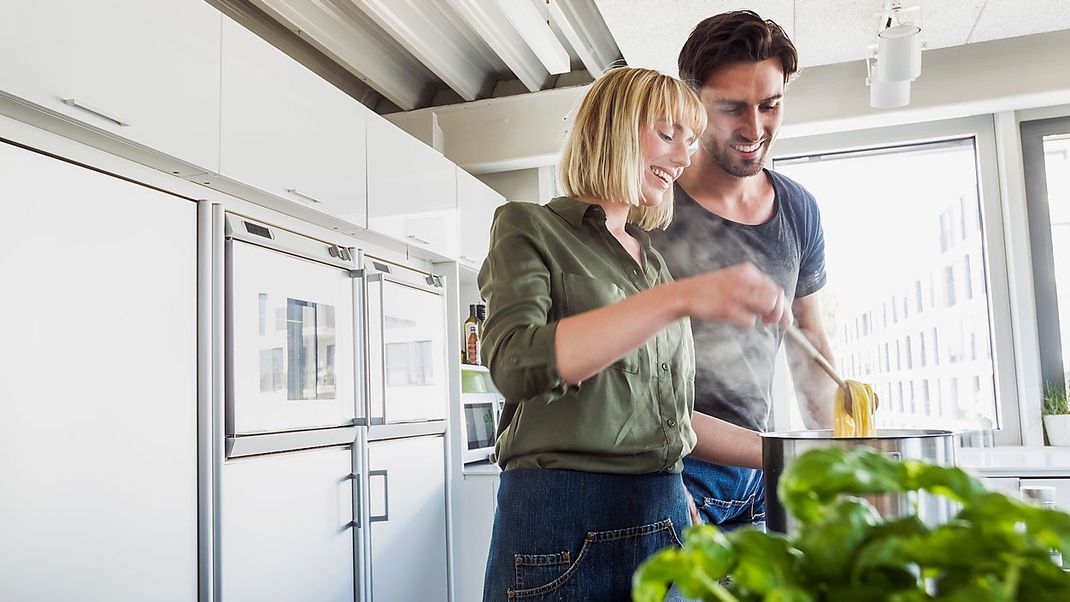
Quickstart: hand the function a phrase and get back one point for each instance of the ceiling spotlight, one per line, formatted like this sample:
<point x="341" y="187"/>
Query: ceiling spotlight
<point x="897" y="57"/>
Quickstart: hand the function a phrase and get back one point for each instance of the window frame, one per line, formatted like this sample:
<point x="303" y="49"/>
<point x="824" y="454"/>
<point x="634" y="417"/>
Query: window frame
<point x="982" y="130"/>
<point x="1053" y="365"/>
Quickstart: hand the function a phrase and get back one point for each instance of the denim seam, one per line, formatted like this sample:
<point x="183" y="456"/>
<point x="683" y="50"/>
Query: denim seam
<point x="591" y="538"/>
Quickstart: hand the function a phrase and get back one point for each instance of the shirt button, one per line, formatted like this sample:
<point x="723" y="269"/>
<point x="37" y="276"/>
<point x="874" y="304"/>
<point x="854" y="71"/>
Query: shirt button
<point x="671" y="423"/>
<point x="665" y="366"/>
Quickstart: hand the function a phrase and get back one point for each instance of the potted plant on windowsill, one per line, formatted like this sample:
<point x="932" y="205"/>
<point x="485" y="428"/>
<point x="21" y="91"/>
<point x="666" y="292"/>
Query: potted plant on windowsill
<point x="1056" y="412"/>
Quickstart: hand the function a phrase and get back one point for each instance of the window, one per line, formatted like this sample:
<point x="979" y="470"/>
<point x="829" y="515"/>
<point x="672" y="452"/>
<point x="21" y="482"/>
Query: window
<point x="871" y="270"/>
<point x="1046" y="155"/>
<point x="949" y="286"/>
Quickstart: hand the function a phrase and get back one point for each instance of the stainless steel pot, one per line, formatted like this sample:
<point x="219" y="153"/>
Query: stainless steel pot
<point x="935" y="447"/>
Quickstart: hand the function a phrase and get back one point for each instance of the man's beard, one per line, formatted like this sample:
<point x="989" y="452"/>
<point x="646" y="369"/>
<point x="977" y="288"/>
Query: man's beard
<point x="740" y="169"/>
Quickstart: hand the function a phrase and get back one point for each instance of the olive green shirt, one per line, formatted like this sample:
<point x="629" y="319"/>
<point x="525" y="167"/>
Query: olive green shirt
<point x="548" y="262"/>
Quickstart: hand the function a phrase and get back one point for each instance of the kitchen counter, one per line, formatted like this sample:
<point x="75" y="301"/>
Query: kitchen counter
<point x="1050" y="462"/>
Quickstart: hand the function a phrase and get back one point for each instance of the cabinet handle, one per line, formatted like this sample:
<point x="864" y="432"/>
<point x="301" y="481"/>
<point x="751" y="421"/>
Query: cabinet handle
<point x="386" y="496"/>
<point x="418" y="239"/>
<point x="74" y="102"/>
<point x="297" y="192"/>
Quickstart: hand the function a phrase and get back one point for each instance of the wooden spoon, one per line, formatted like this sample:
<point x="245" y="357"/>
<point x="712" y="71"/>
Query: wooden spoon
<point x="797" y="335"/>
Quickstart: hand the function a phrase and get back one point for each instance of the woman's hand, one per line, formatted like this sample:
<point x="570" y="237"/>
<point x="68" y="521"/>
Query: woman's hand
<point x="741" y="295"/>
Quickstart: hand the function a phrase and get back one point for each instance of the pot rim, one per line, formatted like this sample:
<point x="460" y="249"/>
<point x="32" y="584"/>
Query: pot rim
<point x="882" y="434"/>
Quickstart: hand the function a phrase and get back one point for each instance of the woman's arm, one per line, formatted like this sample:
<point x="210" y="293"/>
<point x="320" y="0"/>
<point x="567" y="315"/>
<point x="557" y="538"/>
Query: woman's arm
<point x="587" y="343"/>
<point x="721" y="442"/>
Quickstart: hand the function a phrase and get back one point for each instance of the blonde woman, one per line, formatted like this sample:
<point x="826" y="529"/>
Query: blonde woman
<point x="589" y="340"/>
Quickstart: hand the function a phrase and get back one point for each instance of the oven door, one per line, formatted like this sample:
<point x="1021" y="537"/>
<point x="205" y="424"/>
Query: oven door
<point x="289" y="342"/>
<point x="406" y="325"/>
<point x="480" y="419"/>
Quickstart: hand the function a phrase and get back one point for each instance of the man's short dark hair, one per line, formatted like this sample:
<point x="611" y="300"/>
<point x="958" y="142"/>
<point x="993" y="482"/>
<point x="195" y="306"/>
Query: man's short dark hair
<point x="727" y="38"/>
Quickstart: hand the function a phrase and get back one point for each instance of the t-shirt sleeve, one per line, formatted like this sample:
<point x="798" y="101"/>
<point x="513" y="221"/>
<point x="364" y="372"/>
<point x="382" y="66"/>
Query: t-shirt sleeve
<point x="812" y="252"/>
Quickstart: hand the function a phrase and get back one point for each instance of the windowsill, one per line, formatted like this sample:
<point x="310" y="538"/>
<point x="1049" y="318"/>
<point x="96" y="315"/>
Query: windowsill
<point x="1017" y="461"/>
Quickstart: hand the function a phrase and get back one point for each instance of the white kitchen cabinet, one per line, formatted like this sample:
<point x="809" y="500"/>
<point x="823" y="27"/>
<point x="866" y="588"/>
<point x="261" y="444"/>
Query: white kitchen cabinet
<point x="476" y="202"/>
<point x="286" y="527"/>
<point x="147" y="72"/>
<point x="288" y="132"/>
<point x="412" y="190"/>
<point x="407" y="507"/>
<point x="98" y="417"/>
<point x="475" y="524"/>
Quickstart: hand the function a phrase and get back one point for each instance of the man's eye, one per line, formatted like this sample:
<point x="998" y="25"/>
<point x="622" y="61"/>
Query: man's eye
<point x="772" y="107"/>
<point x="665" y="137"/>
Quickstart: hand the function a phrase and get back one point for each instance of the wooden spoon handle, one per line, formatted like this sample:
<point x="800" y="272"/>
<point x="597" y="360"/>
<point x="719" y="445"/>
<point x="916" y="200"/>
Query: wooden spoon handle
<point x="797" y="335"/>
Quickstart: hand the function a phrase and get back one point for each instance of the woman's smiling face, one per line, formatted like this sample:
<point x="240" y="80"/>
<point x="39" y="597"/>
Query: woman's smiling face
<point x="665" y="150"/>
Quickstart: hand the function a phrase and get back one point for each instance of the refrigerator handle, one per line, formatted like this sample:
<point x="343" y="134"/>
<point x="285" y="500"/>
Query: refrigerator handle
<point x="386" y="496"/>
<point x="356" y="522"/>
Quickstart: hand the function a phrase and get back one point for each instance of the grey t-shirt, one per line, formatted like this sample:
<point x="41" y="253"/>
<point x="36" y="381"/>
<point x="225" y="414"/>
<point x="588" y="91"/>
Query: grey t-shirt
<point x="734" y="366"/>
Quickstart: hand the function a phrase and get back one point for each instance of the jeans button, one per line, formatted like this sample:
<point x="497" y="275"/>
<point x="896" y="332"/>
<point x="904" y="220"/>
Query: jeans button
<point x="671" y="422"/>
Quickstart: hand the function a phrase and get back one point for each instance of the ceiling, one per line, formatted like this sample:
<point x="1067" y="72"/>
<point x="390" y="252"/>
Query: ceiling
<point x="824" y="31"/>
<point x="410" y="54"/>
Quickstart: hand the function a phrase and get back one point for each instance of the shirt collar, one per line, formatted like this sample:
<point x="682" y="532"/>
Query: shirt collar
<point x="574" y="211"/>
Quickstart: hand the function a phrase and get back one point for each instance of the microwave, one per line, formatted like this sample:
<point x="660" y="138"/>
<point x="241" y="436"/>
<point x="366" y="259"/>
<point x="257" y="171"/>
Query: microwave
<point x="479" y="422"/>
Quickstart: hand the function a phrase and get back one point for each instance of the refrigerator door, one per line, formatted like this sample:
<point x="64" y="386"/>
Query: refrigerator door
<point x="407" y="508"/>
<point x="290" y="343"/>
<point x="288" y="526"/>
<point x="407" y="368"/>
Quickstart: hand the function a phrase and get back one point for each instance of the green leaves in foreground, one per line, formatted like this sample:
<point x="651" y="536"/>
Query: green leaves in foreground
<point x="995" y="549"/>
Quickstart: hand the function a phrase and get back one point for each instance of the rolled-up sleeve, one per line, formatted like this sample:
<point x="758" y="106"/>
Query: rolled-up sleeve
<point x="518" y="334"/>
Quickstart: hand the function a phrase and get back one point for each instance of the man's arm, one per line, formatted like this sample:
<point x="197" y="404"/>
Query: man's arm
<point x="814" y="389"/>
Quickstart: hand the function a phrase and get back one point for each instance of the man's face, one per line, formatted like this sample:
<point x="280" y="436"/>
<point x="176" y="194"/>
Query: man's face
<point x="743" y="103"/>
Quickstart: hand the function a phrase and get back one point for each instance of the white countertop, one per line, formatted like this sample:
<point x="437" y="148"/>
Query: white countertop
<point x="1016" y="461"/>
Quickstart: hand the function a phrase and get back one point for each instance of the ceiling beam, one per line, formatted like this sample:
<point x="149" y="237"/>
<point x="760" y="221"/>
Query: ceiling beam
<point x="494" y="27"/>
<point x="533" y="28"/>
<point x="338" y="33"/>
<point x="427" y="36"/>
<point x="586" y="32"/>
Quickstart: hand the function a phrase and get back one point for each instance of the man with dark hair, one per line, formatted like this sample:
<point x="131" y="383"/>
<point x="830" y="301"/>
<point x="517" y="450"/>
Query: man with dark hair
<point x="729" y="209"/>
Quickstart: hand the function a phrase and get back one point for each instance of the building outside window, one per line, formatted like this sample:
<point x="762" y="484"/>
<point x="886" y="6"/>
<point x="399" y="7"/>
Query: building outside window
<point x="899" y="234"/>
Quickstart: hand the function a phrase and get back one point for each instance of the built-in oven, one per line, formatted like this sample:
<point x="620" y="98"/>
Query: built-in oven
<point x="290" y="339"/>
<point x="405" y="327"/>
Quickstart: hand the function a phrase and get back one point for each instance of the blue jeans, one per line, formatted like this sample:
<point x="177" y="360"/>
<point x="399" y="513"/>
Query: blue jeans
<point x="727" y="496"/>
<point x="570" y="535"/>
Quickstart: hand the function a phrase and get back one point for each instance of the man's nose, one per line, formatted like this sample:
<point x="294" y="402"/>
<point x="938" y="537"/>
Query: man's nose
<point x="752" y="125"/>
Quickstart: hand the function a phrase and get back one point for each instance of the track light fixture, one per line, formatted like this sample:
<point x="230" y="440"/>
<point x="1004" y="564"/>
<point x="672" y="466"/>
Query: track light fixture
<point x="895" y="60"/>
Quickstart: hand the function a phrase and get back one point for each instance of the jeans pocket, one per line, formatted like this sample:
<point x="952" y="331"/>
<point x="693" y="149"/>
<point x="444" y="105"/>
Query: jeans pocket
<point x="532" y="570"/>
<point x="602" y="569"/>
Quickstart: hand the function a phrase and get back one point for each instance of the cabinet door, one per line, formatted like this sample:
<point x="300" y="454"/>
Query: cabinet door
<point x="286" y="532"/>
<point x="412" y="190"/>
<point x="407" y="497"/>
<point x="288" y="132"/>
<point x="476" y="524"/>
<point x="98" y="416"/>
<point x="144" y="71"/>
<point x="477" y="203"/>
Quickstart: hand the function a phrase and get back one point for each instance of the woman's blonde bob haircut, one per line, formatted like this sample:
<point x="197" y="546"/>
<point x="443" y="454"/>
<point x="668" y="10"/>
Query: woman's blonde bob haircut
<point x="602" y="159"/>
